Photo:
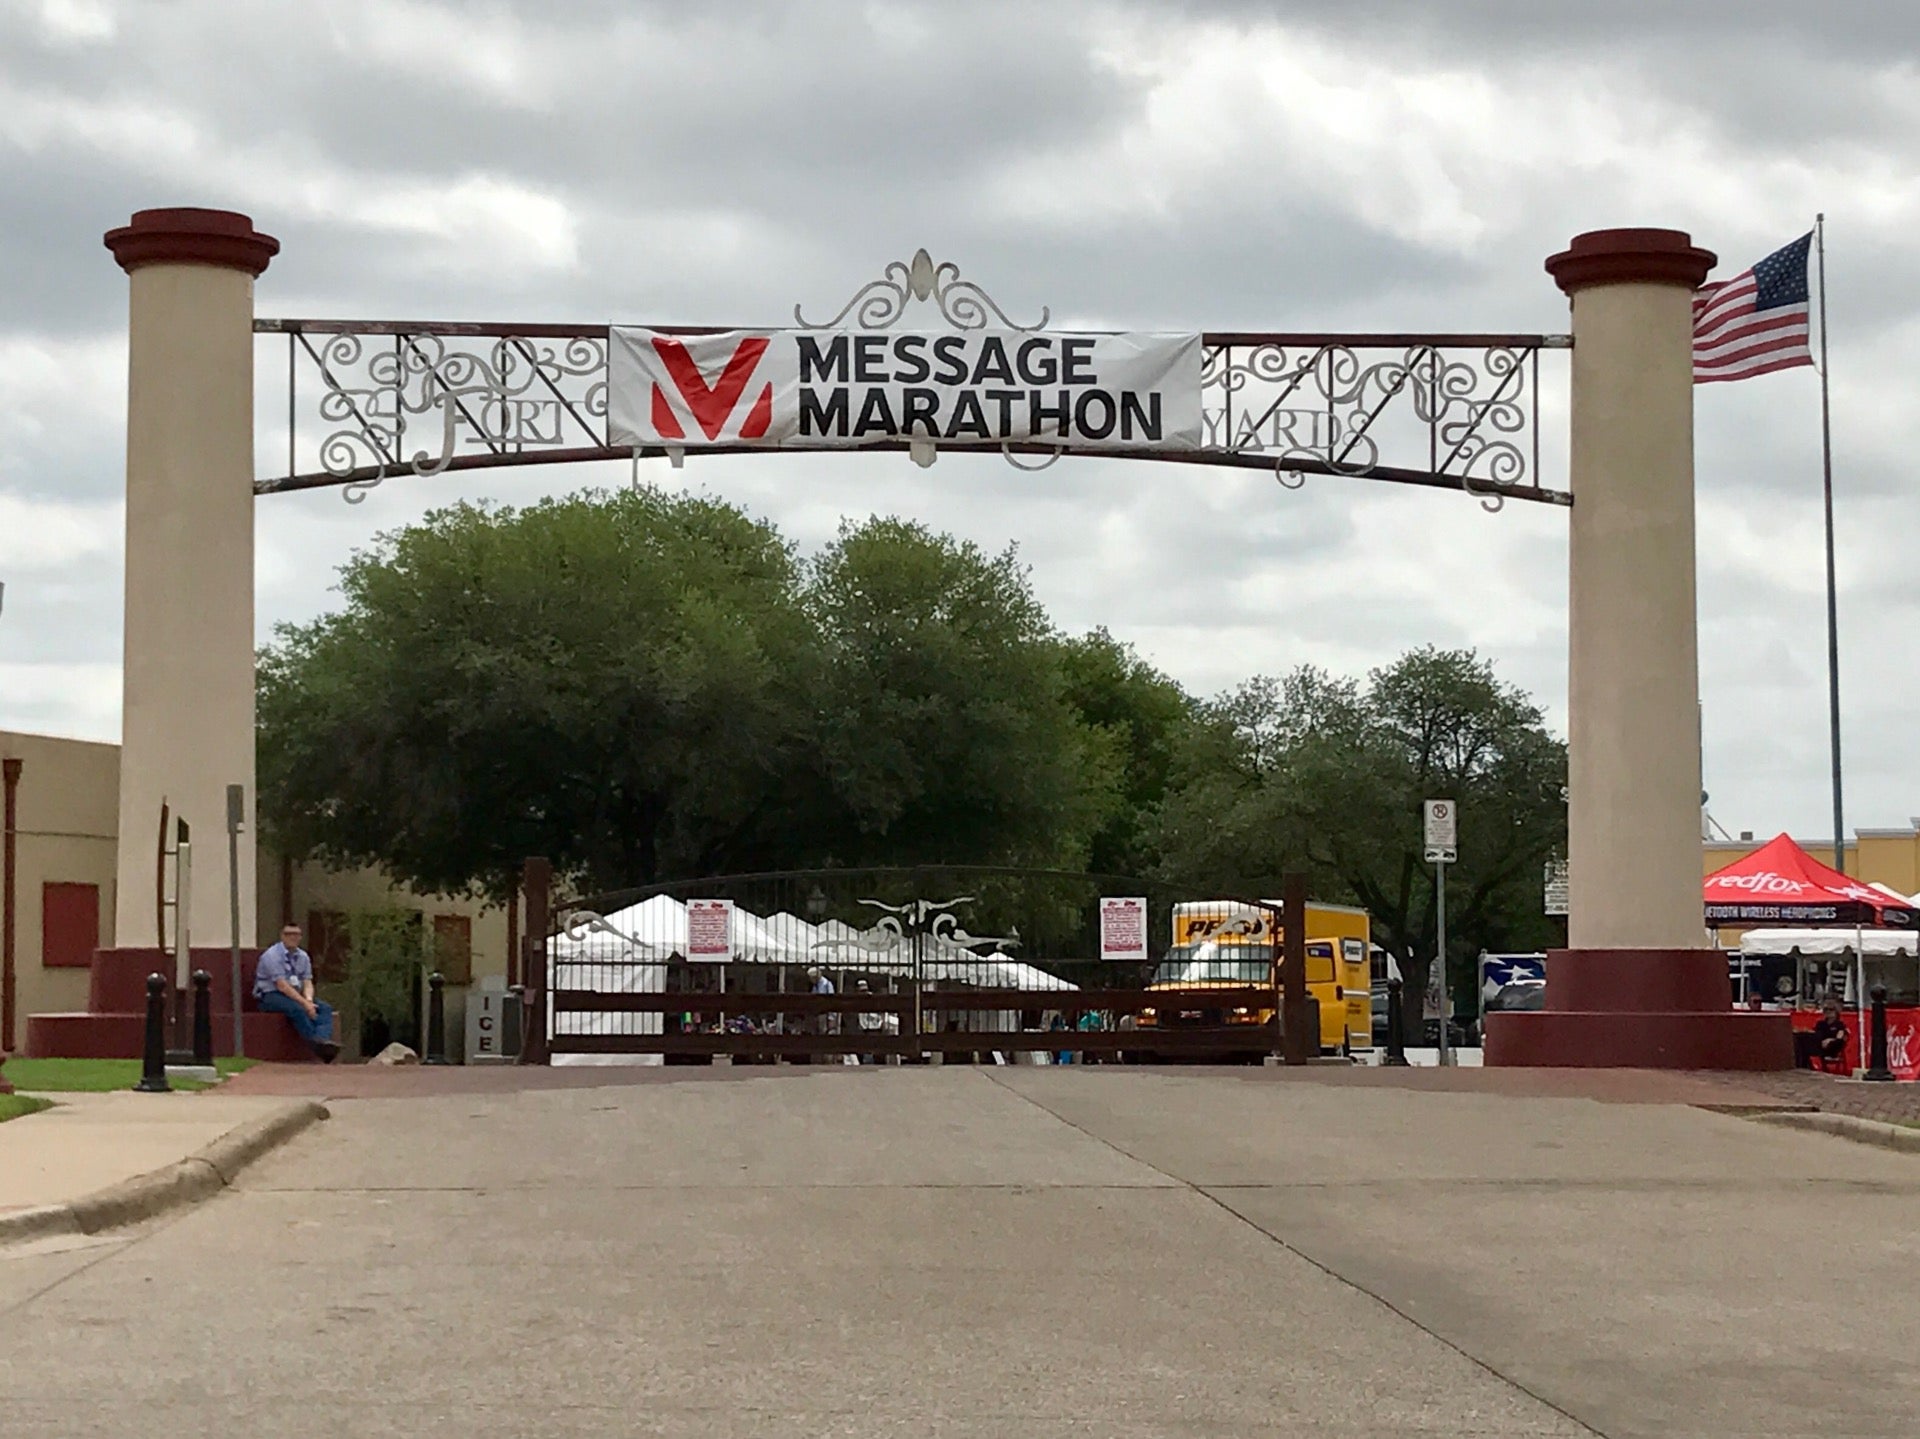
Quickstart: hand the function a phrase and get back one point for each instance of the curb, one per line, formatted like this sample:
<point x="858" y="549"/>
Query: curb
<point x="205" y="1172"/>
<point x="1845" y="1126"/>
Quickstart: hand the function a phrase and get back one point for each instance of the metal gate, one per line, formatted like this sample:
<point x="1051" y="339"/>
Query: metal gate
<point x="888" y="965"/>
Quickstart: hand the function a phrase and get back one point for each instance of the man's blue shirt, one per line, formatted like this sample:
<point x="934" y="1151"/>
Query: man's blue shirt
<point x="278" y="962"/>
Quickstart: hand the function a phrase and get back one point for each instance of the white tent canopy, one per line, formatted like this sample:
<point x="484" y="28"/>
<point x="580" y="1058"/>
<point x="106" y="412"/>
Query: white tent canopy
<point x="654" y="929"/>
<point x="1823" y="943"/>
<point x="625" y="955"/>
<point x="627" y="951"/>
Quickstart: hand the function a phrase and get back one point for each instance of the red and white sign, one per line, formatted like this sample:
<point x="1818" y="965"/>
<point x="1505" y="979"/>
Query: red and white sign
<point x="1123" y="929"/>
<point x="1903" y="1038"/>
<point x="710" y="929"/>
<point x="831" y="388"/>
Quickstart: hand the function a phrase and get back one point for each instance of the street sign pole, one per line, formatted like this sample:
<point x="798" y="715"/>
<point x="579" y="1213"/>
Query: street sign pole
<point x="1440" y="924"/>
<point x="236" y="821"/>
<point x="1442" y="835"/>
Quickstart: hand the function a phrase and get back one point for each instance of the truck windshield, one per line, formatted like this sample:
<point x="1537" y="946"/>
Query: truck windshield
<point x="1213" y="963"/>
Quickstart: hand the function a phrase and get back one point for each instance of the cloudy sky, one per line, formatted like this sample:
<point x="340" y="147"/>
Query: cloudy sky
<point x="1296" y="164"/>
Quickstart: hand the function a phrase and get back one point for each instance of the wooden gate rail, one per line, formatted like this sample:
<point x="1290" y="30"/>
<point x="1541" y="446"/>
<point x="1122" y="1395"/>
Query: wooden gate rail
<point x="1186" y="1042"/>
<point x="1066" y="1001"/>
<point x="734" y="1044"/>
<point x="1160" y="1040"/>
<point x="712" y="1001"/>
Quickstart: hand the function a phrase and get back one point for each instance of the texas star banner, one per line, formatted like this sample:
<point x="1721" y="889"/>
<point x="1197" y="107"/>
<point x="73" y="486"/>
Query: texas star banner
<point x="825" y="388"/>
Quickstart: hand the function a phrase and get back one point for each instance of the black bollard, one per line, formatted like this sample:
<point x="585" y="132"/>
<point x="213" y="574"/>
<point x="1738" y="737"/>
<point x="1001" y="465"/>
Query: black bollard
<point x="202" y="1017"/>
<point x="436" y="1019"/>
<point x="1877" y="1060"/>
<point x="153" y="1056"/>
<point x="1396" y="1027"/>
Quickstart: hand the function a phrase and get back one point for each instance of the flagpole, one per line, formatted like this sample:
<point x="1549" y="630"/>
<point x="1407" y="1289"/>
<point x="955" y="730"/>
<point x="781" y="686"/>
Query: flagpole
<point x="1833" y="608"/>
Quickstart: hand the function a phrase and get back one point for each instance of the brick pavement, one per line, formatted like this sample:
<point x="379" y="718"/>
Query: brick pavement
<point x="1896" y="1103"/>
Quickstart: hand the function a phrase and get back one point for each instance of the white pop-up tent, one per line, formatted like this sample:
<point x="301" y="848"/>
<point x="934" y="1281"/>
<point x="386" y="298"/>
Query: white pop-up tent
<point x="1825" y="943"/>
<point x="1866" y="954"/>
<point x="622" y="953"/>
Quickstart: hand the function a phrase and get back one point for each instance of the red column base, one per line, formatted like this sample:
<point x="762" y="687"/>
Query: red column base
<point x="1639" y="1009"/>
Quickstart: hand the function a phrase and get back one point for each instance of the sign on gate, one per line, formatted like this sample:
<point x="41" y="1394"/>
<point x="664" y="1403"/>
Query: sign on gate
<point x="1123" y="929"/>
<point x="824" y="388"/>
<point x="1557" y="893"/>
<point x="710" y="929"/>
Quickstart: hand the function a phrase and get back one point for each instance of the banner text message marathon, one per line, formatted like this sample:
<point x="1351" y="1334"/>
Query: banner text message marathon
<point x="856" y="387"/>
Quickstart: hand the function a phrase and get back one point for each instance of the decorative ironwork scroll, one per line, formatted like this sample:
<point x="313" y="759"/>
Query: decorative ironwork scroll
<point x="1460" y="408"/>
<point x="879" y="304"/>
<point x="411" y="399"/>
<point x="934" y="918"/>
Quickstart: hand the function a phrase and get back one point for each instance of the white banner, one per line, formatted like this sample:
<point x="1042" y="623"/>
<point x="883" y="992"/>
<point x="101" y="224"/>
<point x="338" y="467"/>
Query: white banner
<point x="710" y="929"/>
<point x="1123" y="929"/>
<point x="829" y="388"/>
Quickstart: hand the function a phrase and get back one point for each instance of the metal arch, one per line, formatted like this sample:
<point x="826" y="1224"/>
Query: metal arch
<point x="1292" y="477"/>
<point x="1455" y="411"/>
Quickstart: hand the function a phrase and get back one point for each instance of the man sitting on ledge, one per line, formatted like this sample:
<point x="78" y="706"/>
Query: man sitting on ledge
<point x="283" y="984"/>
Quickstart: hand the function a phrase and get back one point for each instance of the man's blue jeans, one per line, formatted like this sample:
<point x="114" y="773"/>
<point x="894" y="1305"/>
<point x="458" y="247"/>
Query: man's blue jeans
<point x="314" y="1030"/>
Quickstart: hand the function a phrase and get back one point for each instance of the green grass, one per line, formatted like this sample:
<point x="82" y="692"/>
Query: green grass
<point x="12" y="1106"/>
<point x="94" y="1076"/>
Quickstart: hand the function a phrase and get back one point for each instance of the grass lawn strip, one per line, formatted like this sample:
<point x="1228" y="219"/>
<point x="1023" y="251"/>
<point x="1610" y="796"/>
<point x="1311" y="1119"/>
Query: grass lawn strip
<point x="13" y="1106"/>
<point x="95" y="1076"/>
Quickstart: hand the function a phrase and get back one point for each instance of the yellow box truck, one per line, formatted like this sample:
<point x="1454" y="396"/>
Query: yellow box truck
<point x="1228" y="944"/>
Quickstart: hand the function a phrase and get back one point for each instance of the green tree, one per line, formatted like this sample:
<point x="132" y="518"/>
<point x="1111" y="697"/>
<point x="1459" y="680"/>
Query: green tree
<point x="1140" y="718"/>
<point x="943" y="728"/>
<point x="1326" y="774"/>
<point x="645" y="686"/>
<point x="616" y="681"/>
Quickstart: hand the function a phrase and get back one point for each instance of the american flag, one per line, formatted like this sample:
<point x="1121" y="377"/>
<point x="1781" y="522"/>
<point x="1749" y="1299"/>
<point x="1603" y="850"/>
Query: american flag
<point x="1756" y="322"/>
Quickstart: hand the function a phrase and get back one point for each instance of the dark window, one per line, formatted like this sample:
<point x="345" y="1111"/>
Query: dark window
<point x="326" y="941"/>
<point x="69" y="925"/>
<point x="453" y="947"/>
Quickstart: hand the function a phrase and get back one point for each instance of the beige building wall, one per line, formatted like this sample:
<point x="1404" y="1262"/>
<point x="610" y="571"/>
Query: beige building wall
<point x="68" y="806"/>
<point x="313" y="895"/>
<point x="68" y="799"/>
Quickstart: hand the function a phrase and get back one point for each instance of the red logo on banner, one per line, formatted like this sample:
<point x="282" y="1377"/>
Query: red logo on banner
<point x="711" y="406"/>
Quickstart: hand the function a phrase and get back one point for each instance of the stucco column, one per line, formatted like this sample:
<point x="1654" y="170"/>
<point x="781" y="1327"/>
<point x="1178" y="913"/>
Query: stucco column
<point x="1633" y="816"/>
<point x="187" y="709"/>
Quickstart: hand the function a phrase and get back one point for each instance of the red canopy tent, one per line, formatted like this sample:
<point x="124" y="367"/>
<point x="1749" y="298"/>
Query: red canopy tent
<point x="1780" y="883"/>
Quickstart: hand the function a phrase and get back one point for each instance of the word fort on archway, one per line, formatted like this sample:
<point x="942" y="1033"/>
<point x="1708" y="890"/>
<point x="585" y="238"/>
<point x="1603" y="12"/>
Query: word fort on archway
<point x="373" y="401"/>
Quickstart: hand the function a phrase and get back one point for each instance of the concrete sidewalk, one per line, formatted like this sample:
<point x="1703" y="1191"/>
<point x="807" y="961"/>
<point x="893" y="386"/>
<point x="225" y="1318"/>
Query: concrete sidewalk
<point x="96" y="1160"/>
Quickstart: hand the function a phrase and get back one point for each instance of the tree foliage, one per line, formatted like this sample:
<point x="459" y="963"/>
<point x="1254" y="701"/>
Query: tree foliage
<point x="609" y="680"/>
<point x="1328" y="774"/>
<point x="1139" y="718"/>
<point x="642" y="686"/>
<point x="942" y="726"/>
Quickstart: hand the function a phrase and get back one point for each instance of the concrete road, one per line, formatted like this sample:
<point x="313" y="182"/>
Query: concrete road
<point x="965" y="1252"/>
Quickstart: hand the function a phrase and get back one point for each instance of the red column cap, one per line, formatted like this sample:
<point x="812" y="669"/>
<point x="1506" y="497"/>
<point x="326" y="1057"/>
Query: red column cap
<point x="190" y="236"/>
<point x="1631" y="257"/>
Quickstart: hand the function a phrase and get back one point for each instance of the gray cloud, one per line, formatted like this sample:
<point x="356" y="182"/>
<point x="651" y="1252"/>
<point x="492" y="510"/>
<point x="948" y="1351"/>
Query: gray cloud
<point x="1369" y="164"/>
